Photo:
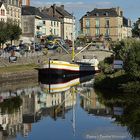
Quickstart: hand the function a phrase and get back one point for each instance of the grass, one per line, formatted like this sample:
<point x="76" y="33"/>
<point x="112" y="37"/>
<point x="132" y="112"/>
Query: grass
<point x="17" y="68"/>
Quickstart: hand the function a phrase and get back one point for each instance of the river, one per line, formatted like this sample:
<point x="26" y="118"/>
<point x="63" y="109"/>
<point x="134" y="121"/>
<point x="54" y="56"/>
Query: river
<point x="66" y="109"/>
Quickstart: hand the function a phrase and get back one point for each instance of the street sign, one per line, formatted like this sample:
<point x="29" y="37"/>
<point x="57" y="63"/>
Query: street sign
<point x="12" y="58"/>
<point x="117" y="64"/>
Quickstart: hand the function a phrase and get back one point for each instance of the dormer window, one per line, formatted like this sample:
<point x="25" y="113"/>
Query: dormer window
<point x="97" y="14"/>
<point x="106" y="13"/>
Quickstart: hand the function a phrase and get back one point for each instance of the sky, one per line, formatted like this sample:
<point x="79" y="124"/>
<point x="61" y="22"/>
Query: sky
<point x="131" y="8"/>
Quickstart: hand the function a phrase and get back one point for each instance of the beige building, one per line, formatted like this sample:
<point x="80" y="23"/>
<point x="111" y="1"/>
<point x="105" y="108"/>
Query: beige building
<point x="108" y="23"/>
<point x="3" y="12"/>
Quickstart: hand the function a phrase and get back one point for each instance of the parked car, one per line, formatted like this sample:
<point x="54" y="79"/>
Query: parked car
<point x="10" y="48"/>
<point x="38" y="47"/>
<point x="23" y="47"/>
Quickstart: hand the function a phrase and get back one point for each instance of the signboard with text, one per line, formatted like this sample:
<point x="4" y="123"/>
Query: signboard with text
<point x="117" y="64"/>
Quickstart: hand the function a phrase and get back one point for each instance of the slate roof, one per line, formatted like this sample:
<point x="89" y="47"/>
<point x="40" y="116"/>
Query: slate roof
<point x="111" y="12"/>
<point x="63" y="12"/>
<point x="30" y="10"/>
<point x="126" y="22"/>
<point x="58" y="9"/>
<point x="49" y="17"/>
<point x="1" y="4"/>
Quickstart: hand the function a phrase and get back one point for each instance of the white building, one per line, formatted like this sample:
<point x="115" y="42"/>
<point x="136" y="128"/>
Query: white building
<point x="67" y="20"/>
<point x="36" y="25"/>
<point x="51" y="26"/>
<point x="3" y="12"/>
<point x="13" y="10"/>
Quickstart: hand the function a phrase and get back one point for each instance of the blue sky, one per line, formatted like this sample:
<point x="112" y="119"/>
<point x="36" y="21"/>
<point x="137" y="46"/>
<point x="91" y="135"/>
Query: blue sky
<point x="131" y="8"/>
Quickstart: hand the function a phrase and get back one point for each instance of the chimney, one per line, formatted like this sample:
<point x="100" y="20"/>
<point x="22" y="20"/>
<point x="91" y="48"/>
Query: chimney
<point x="54" y="10"/>
<point x="27" y="2"/>
<point x="20" y="3"/>
<point x="119" y="11"/>
<point x="62" y="6"/>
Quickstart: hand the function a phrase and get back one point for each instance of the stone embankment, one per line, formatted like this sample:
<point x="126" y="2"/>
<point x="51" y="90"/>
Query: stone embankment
<point x="15" y="76"/>
<point x="18" y="76"/>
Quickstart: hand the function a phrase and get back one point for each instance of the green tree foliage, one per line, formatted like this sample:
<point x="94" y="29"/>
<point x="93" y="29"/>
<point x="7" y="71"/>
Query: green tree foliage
<point x="126" y="80"/>
<point x="15" y="31"/>
<point x="129" y="51"/>
<point x="130" y="103"/>
<point x="3" y="32"/>
<point x="9" y="31"/>
<point x="136" y="29"/>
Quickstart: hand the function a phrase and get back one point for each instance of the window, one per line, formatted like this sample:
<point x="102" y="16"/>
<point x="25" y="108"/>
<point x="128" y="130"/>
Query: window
<point x="97" y="14"/>
<point x="51" y="23"/>
<point x="107" y="32"/>
<point x="25" y="29"/>
<point x="97" y="23"/>
<point x="107" y="23"/>
<point x="106" y="14"/>
<point x="97" y="32"/>
<point x="54" y="32"/>
<point x="44" y="30"/>
<point x="57" y="23"/>
<point x="25" y="24"/>
<point x="2" y="12"/>
<point x="44" y="22"/>
<point x="87" y="22"/>
<point x="87" y="31"/>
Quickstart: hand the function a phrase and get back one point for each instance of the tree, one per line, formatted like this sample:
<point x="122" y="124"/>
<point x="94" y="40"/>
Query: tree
<point x="3" y="33"/>
<point x="129" y="51"/>
<point x="14" y="31"/>
<point x="9" y="31"/>
<point x="136" y="29"/>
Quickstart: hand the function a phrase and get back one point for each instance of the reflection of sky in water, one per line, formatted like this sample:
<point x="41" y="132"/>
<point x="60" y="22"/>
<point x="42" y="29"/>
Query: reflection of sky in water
<point x="87" y="124"/>
<point x="86" y="127"/>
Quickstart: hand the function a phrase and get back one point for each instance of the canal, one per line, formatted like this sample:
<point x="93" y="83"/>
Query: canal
<point x="67" y="109"/>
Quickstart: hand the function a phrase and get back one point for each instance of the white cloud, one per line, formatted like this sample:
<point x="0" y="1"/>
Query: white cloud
<point x="76" y="5"/>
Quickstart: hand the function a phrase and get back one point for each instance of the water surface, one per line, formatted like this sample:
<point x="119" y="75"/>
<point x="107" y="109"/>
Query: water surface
<point x="67" y="109"/>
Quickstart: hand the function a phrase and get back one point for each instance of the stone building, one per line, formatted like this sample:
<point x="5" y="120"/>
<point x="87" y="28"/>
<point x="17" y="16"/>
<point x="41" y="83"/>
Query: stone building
<point x="110" y="23"/>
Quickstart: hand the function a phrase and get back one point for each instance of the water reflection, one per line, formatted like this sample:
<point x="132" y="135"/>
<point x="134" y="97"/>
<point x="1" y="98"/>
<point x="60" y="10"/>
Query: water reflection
<point x="24" y="109"/>
<point x="126" y="110"/>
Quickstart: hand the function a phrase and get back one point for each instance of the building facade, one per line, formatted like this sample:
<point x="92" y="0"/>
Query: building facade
<point x="13" y="10"/>
<point x="3" y="12"/>
<point x="106" y="22"/>
<point x="36" y="25"/>
<point x="67" y="20"/>
<point x="50" y="26"/>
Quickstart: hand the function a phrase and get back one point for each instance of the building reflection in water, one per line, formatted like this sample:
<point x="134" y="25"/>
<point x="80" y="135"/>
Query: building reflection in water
<point x="91" y="103"/>
<point x="22" y="107"/>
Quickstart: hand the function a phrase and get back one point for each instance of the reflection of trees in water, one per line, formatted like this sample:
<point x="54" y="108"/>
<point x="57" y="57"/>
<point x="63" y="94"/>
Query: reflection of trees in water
<point x="10" y="105"/>
<point x="131" y="109"/>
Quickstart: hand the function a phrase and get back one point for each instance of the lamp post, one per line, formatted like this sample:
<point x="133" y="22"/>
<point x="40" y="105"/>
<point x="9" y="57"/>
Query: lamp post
<point x="34" y="31"/>
<point x="72" y="34"/>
